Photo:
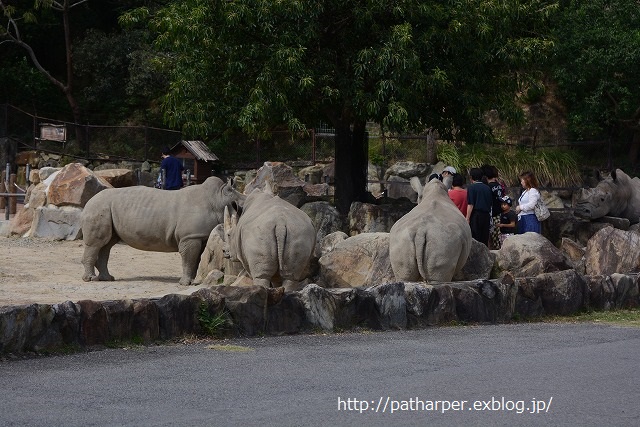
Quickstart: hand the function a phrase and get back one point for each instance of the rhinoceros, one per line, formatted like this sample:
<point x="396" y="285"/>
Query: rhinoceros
<point x="617" y="195"/>
<point x="432" y="241"/>
<point x="273" y="240"/>
<point x="154" y="220"/>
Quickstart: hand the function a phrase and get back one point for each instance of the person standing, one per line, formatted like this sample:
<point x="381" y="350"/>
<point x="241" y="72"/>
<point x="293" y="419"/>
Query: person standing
<point x="527" y="220"/>
<point x="457" y="194"/>
<point x="447" y="176"/>
<point x="479" y="201"/>
<point x="491" y="172"/>
<point x="172" y="170"/>
<point x="508" y="219"/>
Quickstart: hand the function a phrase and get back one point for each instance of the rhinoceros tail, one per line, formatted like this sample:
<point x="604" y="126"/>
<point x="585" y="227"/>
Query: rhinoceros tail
<point x="420" y="243"/>
<point x="281" y="241"/>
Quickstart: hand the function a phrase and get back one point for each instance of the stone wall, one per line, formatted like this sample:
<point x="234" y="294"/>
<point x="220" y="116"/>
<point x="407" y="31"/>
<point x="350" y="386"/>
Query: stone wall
<point x="253" y="311"/>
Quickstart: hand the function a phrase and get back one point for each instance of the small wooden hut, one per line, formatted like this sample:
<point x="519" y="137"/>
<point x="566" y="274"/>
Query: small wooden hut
<point x="196" y="158"/>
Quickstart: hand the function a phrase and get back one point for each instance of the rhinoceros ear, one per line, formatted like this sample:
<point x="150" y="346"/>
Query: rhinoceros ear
<point x="614" y="174"/>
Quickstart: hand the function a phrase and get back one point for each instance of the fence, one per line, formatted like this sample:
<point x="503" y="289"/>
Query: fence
<point x="91" y="142"/>
<point x="140" y="143"/>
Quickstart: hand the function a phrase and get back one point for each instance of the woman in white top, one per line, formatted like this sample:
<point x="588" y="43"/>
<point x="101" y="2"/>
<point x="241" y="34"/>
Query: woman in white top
<point x="527" y="220"/>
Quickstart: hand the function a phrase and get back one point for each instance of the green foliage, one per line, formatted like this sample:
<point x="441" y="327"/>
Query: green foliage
<point x="254" y="65"/>
<point x="552" y="166"/>
<point x="214" y="325"/>
<point x="596" y="65"/>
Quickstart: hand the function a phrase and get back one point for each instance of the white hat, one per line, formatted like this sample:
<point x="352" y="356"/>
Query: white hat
<point x="449" y="169"/>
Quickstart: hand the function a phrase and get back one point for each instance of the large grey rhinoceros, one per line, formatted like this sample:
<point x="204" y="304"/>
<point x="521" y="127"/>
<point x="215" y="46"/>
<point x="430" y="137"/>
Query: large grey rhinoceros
<point x="433" y="241"/>
<point x="154" y="220"/>
<point x="273" y="240"/>
<point x="617" y="195"/>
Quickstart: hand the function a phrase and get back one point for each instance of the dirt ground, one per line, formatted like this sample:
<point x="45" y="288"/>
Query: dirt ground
<point x="50" y="272"/>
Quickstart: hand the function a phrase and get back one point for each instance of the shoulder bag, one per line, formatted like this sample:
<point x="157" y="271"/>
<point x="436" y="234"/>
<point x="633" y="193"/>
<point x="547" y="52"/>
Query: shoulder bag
<point x="541" y="210"/>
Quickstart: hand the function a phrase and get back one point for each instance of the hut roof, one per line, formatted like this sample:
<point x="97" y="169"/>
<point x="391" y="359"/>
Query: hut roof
<point x="199" y="150"/>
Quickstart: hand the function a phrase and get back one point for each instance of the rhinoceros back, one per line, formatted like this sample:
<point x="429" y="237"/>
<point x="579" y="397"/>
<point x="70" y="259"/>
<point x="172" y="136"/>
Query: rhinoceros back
<point x="149" y="219"/>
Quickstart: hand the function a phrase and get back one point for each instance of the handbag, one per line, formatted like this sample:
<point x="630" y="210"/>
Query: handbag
<point x="541" y="210"/>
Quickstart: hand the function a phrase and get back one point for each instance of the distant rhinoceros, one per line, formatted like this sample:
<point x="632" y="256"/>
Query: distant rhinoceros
<point x="154" y="220"/>
<point x="273" y="240"/>
<point x="617" y="195"/>
<point x="433" y="241"/>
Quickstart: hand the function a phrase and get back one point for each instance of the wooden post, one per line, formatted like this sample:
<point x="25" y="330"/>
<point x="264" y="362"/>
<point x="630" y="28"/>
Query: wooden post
<point x="3" y="200"/>
<point x="13" y="201"/>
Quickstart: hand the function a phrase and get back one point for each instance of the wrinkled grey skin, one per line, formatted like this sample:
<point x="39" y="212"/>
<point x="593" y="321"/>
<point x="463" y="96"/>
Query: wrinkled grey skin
<point x="273" y="240"/>
<point x="154" y="220"/>
<point x="433" y="241"/>
<point x="617" y="195"/>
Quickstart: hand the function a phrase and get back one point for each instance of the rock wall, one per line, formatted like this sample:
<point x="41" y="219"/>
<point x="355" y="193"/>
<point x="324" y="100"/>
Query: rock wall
<point x="252" y="311"/>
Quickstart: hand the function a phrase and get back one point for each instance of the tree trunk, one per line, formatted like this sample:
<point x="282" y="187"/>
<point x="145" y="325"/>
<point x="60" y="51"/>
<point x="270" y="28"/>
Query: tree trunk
<point x="351" y="164"/>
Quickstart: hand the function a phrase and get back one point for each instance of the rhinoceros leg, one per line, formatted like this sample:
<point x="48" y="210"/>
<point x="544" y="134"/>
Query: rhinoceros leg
<point x="103" y="260"/>
<point x="98" y="257"/>
<point x="89" y="259"/>
<point x="190" y="251"/>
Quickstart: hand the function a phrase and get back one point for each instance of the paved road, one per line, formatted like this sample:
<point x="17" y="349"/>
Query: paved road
<point x="567" y="374"/>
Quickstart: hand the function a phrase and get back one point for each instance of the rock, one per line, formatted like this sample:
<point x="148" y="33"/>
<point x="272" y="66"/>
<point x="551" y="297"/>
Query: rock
<point x="21" y="222"/>
<point x="46" y="172"/>
<point x="575" y="253"/>
<point x="336" y="309"/>
<point x="325" y="218"/>
<point x="285" y="184"/>
<point x="256" y="309"/>
<point x="479" y="264"/>
<point x="557" y="293"/>
<point x="391" y="304"/>
<point x="368" y="218"/>
<point x="429" y="305"/>
<point x="619" y="223"/>
<point x="118" y="178"/>
<point x="57" y="223"/>
<point x="312" y="174"/>
<point x="400" y="188"/>
<point x="212" y="258"/>
<point x="362" y="260"/>
<point x="528" y="255"/>
<point x="74" y="185"/>
<point x="613" y="251"/>
<point x="618" y="291"/>
<point x="330" y="241"/>
<point x="485" y="301"/>
<point x="407" y="170"/>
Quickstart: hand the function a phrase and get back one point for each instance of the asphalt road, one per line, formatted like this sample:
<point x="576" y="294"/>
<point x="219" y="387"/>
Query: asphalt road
<point x="525" y="374"/>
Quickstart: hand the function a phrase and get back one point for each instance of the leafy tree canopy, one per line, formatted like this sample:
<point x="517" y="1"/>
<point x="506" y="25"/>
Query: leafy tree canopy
<point x="405" y="64"/>
<point x="410" y="64"/>
<point x="596" y="65"/>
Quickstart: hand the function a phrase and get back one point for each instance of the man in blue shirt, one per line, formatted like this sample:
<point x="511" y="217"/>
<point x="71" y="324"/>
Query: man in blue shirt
<point x="172" y="171"/>
<point x="479" y="199"/>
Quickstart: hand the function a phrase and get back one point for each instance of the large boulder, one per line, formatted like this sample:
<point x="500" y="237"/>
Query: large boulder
<point x="479" y="264"/>
<point x="369" y="218"/>
<point x="325" y="218"/>
<point x="530" y="254"/>
<point x="52" y="222"/>
<point x="118" y="177"/>
<point x="74" y="185"/>
<point x="285" y="184"/>
<point x="406" y="170"/>
<point x="361" y="260"/>
<point x="400" y="188"/>
<point x="613" y="251"/>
